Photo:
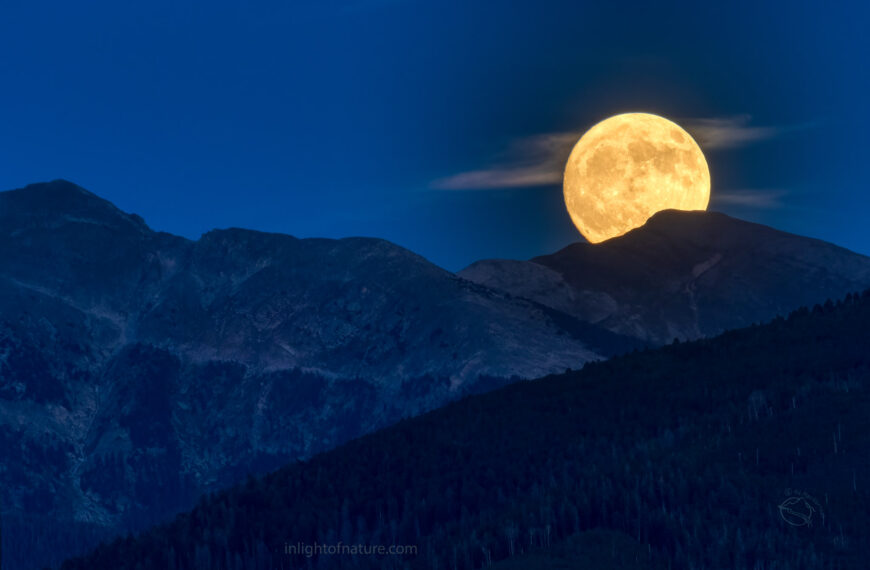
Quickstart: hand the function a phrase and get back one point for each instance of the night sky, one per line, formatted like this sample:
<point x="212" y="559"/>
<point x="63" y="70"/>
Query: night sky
<point x="438" y="125"/>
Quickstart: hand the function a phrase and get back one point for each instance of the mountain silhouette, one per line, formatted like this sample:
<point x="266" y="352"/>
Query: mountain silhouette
<point x="682" y="275"/>
<point x="140" y="369"/>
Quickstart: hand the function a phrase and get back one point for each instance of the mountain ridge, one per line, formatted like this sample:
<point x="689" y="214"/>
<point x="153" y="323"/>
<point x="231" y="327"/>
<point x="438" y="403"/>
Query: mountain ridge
<point x="682" y="274"/>
<point x="140" y="369"/>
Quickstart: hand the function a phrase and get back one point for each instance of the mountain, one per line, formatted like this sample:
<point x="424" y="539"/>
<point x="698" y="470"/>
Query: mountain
<point x="748" y="450"/>
<point x="682" y="275"/>
<point x="140" y="369"/>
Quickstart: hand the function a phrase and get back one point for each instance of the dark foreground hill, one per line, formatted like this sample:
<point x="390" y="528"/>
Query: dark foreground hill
<point x="682" y="275"/>
<point x="749" y="450"/>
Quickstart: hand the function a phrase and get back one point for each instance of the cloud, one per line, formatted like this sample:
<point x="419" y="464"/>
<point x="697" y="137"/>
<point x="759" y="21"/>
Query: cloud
<point x="752" y="198"/>
<point x="729" y="132"/>
<point x="539" y="160"/>
<point x="531" y="161"/>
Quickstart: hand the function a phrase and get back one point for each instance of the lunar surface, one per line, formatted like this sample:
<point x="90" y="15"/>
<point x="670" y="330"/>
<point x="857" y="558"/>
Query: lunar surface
<point x="627" y="168"/>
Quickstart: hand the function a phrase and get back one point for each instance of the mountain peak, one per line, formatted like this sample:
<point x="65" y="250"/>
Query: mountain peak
<point x="61" y="200"/>
<point x="696" y="224"/>
<point x="682" y="274"/>
<point x="62" y="193"/>
<point x="672" y="232"/>
<point x="672" y="216"/>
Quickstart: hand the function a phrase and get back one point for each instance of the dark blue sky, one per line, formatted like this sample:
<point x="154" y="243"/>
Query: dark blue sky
<point x="359" y="117"/>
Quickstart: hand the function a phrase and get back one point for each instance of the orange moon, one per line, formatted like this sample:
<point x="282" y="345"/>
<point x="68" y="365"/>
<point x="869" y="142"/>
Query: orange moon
<point x="628" y="167"/>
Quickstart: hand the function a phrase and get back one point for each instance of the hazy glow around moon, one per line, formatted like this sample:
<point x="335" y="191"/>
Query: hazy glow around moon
<point x="627" y="168"/>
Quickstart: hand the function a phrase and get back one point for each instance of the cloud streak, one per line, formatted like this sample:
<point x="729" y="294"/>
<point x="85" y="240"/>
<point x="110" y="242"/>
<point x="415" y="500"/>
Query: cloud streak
<point x="532" y="161"/>
<point x="539" y="160"/>
<point x="761" y="198"/>
<point x="728" y="132"/>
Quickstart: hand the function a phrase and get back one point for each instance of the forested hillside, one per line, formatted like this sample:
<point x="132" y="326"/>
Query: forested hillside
<point x="749" y="450"/>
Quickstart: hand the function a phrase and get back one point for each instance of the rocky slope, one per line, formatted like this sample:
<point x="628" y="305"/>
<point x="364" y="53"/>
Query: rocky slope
<point x="682" y="275"/>
<point x="139" y="369"/>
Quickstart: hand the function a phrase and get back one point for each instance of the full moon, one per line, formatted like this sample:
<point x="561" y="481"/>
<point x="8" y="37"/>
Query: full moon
<point x="627" y="168"/>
